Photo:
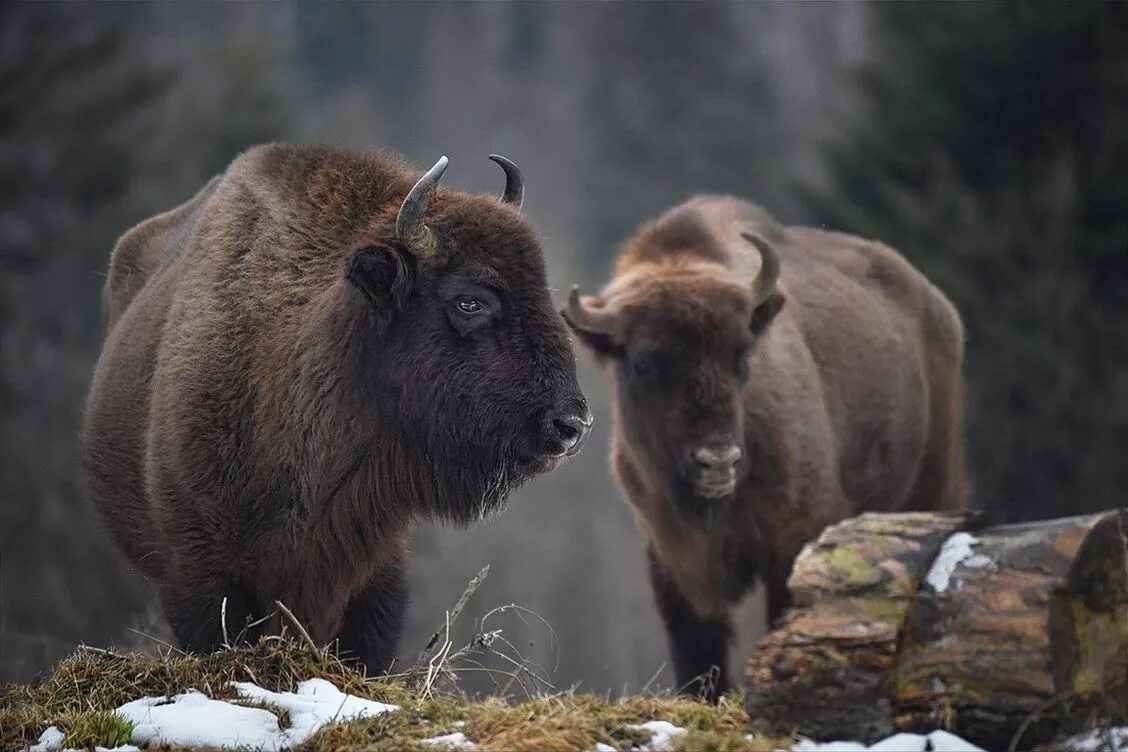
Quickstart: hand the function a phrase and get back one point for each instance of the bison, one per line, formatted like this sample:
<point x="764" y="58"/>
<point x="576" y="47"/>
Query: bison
<point x="316" y="350"/>
<point x="769" y="381"/>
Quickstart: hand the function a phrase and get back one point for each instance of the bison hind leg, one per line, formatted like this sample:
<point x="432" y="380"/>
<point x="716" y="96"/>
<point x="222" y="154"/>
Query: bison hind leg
<point x="941" y="483"/>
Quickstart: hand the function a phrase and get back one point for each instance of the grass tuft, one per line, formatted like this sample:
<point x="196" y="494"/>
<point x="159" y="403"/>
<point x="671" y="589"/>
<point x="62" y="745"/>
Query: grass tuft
<point x="94" y="728"/>
<point x="80" y="694"/>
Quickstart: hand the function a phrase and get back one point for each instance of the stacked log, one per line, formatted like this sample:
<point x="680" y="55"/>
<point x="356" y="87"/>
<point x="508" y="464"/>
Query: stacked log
<point x="910" y="622"/>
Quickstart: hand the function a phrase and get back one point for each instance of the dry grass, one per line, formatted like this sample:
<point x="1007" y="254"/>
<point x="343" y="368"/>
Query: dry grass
<point x="85" y="686"/>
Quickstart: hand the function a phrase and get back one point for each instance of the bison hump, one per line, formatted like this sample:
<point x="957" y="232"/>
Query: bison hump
<point x="142" y="250"/>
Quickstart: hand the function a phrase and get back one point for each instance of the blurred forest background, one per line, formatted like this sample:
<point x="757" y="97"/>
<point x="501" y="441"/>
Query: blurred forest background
<point x="988" y="142"/>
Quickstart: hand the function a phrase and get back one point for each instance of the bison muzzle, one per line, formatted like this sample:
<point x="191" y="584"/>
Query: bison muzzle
<point x="315" y="350"/>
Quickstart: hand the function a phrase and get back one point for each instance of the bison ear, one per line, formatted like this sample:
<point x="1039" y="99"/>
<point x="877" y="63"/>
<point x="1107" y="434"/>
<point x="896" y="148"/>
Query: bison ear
<point x="386" y="277"/>
<point x="593" y="323"/>
<point x="601" y="346"/>
<point x="766" y="312"/>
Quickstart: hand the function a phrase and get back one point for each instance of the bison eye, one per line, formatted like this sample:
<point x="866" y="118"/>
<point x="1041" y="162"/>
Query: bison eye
<point x="469" y="306"/>
<point x="740" y="363"/>
<point x="644" y="365"/>
<point x="742" y="367"/>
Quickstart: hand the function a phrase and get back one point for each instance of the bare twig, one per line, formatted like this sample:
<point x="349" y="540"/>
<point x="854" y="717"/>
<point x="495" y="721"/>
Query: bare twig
<point x="252" y="624"/>
<point x="653" y="678"/>
<point x="435" y="665"/>
<point x="223" y="622"/>
<point x="442" y="662"/>
<point x="453" y="614"/>
<point x="524" y="664"/>
<point x="1034" y="716"/>
<point x="301" y="630"/>
<point x="553" y="641"/>
<point x="156" y="640"/>
<point x="497" y="687"/>
<point x="479" y="644"/>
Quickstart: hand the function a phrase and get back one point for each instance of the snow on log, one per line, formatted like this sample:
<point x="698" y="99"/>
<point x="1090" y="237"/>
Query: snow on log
<point x="906" y="622"/>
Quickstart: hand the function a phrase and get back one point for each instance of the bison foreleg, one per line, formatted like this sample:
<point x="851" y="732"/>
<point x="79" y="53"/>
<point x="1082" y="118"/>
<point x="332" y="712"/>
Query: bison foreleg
<point x="699" y="647"/>
<point x="205" y="614"/>
<point x="374" y="620"/>
<point x="779" y="597"/>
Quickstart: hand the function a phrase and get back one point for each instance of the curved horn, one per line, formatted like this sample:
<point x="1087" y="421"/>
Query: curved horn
<point x="514" y="183"/>
<point x="766" y="280"/>
<point x="585" y="318"/>
<point x="410" y="230"/>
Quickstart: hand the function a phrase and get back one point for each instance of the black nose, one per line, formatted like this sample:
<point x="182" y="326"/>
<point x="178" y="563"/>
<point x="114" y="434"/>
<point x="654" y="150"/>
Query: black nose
<point x="717" y="457"/>
<point x="566" y="431"/>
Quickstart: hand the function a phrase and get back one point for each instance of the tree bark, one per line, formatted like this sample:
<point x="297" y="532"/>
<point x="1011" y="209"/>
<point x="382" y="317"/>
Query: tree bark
<point x="916" y="621"/>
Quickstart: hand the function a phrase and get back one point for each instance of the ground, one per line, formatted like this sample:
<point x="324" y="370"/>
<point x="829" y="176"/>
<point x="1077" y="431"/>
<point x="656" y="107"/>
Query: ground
<point x="79" y="697"/>
<point x="291" y="689"/>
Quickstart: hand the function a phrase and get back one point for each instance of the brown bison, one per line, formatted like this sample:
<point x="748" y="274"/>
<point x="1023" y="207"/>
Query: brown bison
<point x="769" y="381"/>
<point x="312" y="352"/>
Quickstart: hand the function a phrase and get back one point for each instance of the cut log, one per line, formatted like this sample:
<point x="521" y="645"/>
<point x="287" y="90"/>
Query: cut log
<point x="916" y="621"/>
<point x="824" y="670"/>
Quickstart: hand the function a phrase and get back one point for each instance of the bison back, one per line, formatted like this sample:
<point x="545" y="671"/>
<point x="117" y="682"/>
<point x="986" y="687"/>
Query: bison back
<point x="144" y="249"/>
<point x="889" y="346"/>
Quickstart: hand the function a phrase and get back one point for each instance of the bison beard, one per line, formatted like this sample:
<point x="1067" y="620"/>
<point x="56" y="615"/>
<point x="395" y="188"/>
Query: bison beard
<point x="769" y="381"/>
<point x="313" y="352"/>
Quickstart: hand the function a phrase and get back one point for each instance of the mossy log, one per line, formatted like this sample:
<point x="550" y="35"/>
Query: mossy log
<point x="916" y="621"/>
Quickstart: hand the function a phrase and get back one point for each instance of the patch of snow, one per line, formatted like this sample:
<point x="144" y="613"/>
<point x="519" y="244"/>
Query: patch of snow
<point x="49" y="740"/>
<point x="806" y="745"/>
<point x="457" y="740"/>
<point x="192" y="719"/>
<point x="195" y="720"/>
<point x="980" y="561"/>
<point x="122" y="748"/>
<point x="938" y="741"/>
<point x="601" y="747"/>
<point x="1097" y="740"/>
<point x="861" y="627"/>
<point x="900" y="743"/>
<point x="661" y="734"/>
<point x="955" y="550"/>
<point x="316" y="703"/>
<point x="944" y="741"/>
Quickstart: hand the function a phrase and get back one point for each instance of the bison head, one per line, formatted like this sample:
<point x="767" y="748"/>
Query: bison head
<point x="679" y="336"/>
<point x="484" y="382"/>
<point x="424" y="342"/>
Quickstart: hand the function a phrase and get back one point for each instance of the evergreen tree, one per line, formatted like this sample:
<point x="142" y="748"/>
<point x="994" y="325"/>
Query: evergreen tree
<point x="69" y="106"/>
<point x="669" y="117"/>
<point x="94" y="136"/>
<point x="993" y="151"/>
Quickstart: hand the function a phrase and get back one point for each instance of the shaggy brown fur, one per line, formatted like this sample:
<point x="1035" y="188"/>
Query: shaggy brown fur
<point x="842" y="391"/>
<point x="283" y="387"/>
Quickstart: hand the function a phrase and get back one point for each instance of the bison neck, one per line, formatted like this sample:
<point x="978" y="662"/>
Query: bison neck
<point x="359" y="532"/>
<point x="340" y="504"/>
<point x="791" y="491"/>
<point x="712" y="557"/>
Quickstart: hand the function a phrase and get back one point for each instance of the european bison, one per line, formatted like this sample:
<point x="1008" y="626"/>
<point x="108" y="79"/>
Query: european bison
<point x="316" y="349"/>
<point x="769" y="381"/>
